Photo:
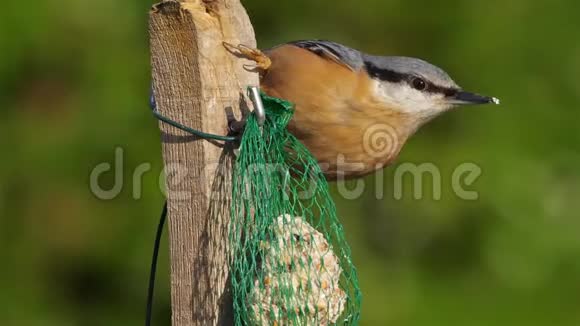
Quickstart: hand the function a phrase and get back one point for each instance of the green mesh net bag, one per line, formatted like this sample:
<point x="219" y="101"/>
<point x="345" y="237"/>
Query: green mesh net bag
<point x="291" y="264"/>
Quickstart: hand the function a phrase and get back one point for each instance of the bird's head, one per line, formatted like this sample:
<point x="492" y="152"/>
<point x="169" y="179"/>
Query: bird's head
<point x="416" y="87"/>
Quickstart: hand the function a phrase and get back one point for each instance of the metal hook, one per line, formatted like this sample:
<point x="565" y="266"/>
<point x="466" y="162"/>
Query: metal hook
<point x="259" y="110"/>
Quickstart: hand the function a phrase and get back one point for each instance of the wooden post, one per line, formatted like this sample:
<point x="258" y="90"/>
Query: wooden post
<point x="197" y="83"/>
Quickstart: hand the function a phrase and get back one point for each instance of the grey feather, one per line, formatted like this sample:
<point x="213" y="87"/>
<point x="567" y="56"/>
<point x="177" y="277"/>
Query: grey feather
<point x="351" y="58"/>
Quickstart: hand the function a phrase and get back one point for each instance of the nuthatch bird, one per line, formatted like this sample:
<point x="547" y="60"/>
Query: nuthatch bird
<point x="355" y="111"/>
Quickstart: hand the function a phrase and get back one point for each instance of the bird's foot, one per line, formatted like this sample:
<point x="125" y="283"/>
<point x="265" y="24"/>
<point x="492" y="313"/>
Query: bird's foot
<point x="263" y="62"/>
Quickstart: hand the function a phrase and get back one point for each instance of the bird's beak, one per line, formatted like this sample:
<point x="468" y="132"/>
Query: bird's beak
<point x="466" y="98"/>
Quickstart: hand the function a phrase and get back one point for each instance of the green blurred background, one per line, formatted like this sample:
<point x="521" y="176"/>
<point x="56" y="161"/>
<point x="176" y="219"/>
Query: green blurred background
<point x="74" y="82"/>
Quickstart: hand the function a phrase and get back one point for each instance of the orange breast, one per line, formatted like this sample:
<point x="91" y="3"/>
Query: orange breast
<point x="337" y="116"/>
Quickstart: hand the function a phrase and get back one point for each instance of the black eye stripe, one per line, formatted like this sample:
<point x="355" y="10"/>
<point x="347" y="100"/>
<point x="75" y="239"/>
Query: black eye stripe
<point x="431" y="88"/>
<point x="384" y="74"/>
<point x="396" y="77"/>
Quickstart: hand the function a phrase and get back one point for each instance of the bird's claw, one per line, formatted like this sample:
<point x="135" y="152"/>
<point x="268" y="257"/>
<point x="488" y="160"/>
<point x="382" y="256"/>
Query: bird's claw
<point x="262" y="60"/>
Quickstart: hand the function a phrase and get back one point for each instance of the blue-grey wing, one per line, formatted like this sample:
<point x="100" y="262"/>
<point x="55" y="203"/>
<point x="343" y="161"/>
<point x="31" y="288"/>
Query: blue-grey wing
<point x="343" y="55"/>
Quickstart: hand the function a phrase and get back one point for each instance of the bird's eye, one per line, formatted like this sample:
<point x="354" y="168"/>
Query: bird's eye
<point x="419" y="84"/>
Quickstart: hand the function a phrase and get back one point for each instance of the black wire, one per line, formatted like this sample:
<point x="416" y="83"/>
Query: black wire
<point x="192" y="131"/>
<point x="152" y="274"/>
<point x="198" y="133"/>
